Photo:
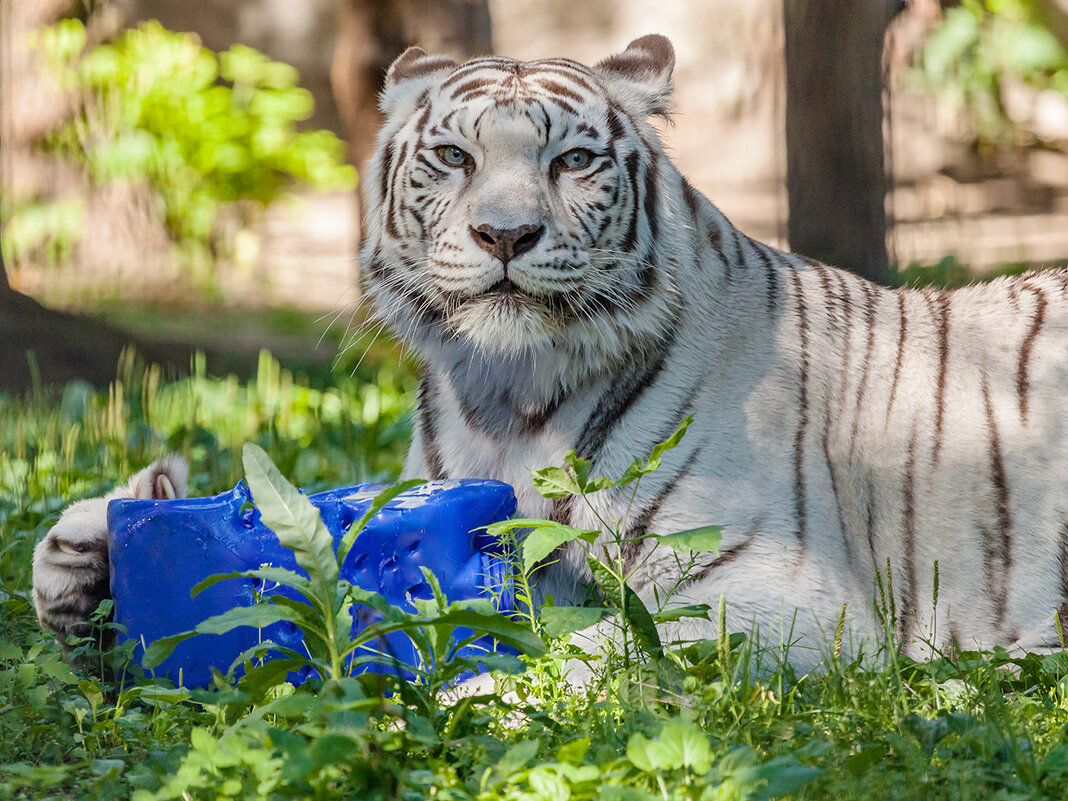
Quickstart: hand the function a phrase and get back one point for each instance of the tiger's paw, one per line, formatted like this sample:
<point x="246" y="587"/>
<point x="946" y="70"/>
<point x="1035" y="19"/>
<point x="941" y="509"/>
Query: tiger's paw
<point x="70" y="565"/>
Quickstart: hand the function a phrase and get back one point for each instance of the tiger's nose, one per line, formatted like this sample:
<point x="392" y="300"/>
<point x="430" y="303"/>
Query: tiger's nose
<point x="508" y="243"/>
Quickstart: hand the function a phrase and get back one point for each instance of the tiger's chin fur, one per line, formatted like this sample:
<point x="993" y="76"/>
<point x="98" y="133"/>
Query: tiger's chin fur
<point x="503" y="324"/>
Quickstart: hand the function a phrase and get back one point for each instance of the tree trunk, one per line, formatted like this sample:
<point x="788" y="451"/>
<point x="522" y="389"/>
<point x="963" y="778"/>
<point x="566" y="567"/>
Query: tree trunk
<point x="54" y="347"/>
<point x="1054" y="15"/>
<point x="835" y="178"/>
<point x="371" y="33"/>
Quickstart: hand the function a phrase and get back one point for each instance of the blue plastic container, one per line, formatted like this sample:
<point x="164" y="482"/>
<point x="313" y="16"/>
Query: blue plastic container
<point x="161" y="549"/>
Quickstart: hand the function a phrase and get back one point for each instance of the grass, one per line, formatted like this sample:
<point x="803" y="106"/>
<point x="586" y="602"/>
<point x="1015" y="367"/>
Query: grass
<point x="967" y="726"/>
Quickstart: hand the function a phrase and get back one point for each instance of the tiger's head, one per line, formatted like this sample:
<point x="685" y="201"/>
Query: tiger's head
<point x="514" y="207"/>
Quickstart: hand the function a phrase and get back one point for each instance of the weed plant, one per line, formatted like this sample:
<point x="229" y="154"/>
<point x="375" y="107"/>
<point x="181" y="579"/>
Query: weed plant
<point x="712" y="719"/>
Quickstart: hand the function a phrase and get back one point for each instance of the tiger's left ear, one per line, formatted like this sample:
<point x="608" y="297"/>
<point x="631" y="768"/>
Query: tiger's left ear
<point x="412" y="72"/>
<point x="642" y="73"/>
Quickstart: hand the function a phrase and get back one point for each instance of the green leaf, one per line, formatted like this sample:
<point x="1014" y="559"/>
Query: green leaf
<point x="376" y="601"/>
<point x="508" y="632"/>
<point x="547" y="537"/>
<point x="858" y="764"/>
<point x="641" y="751"/>
<point x="435" y="588"/>
<point x="279" y="575"/>
<point x="636" y="469"/>
<point x="379" y="503"/>
<point x="257" y="653"/>
<point x="514" y="759"/>
<point x="293" y="518"/>
<point x="669" y="443"/>
<point x="557" y="621"/>
<point x="258" y="616"/>
<point x="581" y="469"/>
<point x="684" y="745"/>
<point x="681" y="744"/>
<point x="679" y="612"/>
<point x="705" y="538"/>
<point x="621" y="596"/>
<point x="785" y="776"/>
<point x="572" y="753"/>
<point x="555" y="482"/>
<point x="158" y="651"/>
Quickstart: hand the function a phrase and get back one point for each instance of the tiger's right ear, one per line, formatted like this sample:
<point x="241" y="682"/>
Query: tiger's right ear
<point x="412" y="72"/>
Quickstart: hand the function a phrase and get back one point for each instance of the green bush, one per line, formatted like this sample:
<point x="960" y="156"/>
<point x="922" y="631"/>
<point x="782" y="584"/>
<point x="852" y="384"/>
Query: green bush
<point x="210" y="134"/>
<point x="981" y="47"/>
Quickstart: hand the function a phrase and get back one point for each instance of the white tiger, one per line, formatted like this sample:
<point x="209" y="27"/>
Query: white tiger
<point x="568" y="289"/>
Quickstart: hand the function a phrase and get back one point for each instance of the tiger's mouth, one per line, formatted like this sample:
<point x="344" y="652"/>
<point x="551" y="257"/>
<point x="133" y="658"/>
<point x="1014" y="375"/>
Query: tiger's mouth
<point x="503" y="318"/>
<point x="505" y="289"/>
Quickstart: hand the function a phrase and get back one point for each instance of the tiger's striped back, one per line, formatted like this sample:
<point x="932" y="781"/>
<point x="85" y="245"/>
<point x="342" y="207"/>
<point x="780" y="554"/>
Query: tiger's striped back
<point x="568" y="289"/>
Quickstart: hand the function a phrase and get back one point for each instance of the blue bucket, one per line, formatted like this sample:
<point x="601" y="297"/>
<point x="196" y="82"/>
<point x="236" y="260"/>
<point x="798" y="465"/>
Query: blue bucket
<point x="161" y="549"/>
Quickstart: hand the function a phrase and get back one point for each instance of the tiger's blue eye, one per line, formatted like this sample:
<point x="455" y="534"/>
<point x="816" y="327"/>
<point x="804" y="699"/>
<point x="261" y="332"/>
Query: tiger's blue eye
<point x="576" y="159"/>
<point x="452" y="155"/>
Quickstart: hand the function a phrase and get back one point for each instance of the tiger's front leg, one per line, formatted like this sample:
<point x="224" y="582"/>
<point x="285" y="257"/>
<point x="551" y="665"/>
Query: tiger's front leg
<point x="70" y="565"/>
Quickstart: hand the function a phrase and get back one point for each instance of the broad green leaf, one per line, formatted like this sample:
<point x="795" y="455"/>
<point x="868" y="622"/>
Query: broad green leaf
<point x="705" y="538"/>
<point x="572" y="753"/>
<point x="293" y="518"/>
<point x="641" y="751"/>
<point x="518" y="524"/>
<point x="706" y="651"/>
<point x="615" y="792"/>
<point x="258" y="616"/>
<point x="490" y="660"/>
<point x="514" y="759"/>
<point x="555" y="482"/>
<point x="785" y="776"/>
<point x="379" y="502"/>
<point x="508" y="632"/>
<point x="310" y="622"/>
<point x="278" y="575"/>
<point x="681" y="744"/>
<point x="156" y="652"/>
<point x="435" y="587"/>
<point x="634" y="611"/>
<point x="549" y="536"/>
<point x="560" y="620"/>
<point x="858" y="764"/>
<point x="684" y="745"/>
<point x="376" y="601"/>
<point x="579" y="467"/>
<point x="679" y="612"/>
<point x="634" y="471"/>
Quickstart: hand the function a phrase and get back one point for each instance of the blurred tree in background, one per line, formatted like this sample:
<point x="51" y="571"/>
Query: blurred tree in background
<point x="212" y="137"/>
<point x="371" y="33"/>
<point x="835" y="176"/>
<point x="1004" y="65"/>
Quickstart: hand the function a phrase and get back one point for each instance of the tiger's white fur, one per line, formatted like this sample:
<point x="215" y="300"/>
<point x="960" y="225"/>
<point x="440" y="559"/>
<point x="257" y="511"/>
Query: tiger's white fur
<point x="838" y="425"/>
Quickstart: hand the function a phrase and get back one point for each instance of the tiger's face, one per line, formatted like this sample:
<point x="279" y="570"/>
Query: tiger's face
<point x="511" y="205"/>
